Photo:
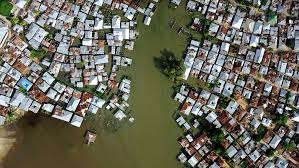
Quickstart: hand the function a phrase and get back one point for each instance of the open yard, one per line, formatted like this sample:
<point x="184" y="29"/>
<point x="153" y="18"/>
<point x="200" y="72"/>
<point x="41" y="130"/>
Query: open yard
<point x="5" y="7"/>
<point x="149" y="142"/>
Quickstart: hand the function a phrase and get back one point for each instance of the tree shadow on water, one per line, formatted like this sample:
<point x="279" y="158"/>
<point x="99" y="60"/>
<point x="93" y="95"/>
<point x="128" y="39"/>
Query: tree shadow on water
<point x="172" y="67"/>
<point x="162" y="61"/>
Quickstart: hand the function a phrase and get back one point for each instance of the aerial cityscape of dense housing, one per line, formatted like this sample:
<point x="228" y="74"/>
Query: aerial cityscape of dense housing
<point x="235" y="87"/>
<point x="246" y="107"/>
<point x="56" y="60"/>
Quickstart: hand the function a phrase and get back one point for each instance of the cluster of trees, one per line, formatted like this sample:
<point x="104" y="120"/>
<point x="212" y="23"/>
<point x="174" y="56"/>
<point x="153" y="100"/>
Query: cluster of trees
<point x="280" y="119"/>
<point x="270" y="152"/>
<point x="270" y="14"/>
<point x="10" y="118"/>
<point x="170" y="65"/>
<point x="205" y="27"/>
<point x="290" y="43"/>
<point x="260" y="133"/>
<point x="223" y="101"/>
<point x="16" y="20"/>
<point x="244" y="2"/>
<point x="216" y="135"/>
<point x="288" y="146"/>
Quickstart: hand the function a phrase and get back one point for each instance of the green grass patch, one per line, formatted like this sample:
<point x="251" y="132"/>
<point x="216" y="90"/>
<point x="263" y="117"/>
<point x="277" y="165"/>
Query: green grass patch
<point x="76" y="42"/>
<point x="38" y="53"/>
<point x="5" y="7"/>
<point x="23" y="90"/>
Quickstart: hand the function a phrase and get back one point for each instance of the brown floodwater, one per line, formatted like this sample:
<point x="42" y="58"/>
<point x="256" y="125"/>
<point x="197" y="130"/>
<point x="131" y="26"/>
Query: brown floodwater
<point x="149" y="142"/>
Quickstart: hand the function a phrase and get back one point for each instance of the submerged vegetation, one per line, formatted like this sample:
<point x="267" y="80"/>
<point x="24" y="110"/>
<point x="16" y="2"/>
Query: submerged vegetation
<point x="170" y="65"/>
<point x="106" y="121"/>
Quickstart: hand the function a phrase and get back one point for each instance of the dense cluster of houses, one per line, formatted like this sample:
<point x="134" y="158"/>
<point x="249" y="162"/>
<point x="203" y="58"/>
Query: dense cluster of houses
<point x="59" y="61"/>
<point x="248" y="67"/>
<point x="238" y="124"/>
<point x="268" y="27"/>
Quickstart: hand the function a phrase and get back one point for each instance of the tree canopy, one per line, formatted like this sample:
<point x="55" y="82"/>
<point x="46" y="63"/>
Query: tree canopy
<point x="288" y="146"/>
<point x="260" y="133"/>
<point x="217" y="135"/>
<point x="270" y="152"/>
<point x="170" y="65"/>
<point x="280" y="119"/>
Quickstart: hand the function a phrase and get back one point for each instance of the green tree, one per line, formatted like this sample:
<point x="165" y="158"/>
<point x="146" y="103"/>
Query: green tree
<point x="288" y="95"/>
<point x="244" y="164"/>
<point x="15" y="21"/>
<point x="280" y="119"/>
<point x="23" y="23"/>
<point x="260" y="133"/>
<point x="290" y="43"/>
<point x="213" y="84"/>
<point x="217" y="135"/>
<point x="170" y="65"/>
<point x="10" y="118"/>
<point x="264" y="2"/>
<point x="81" y="64"/>
<point x="223" y="101"/>
<point x="288" y="146"/>
<point x="219" y="150"/>
<point x="270" y="14"/>
<point x="270" y="152"/>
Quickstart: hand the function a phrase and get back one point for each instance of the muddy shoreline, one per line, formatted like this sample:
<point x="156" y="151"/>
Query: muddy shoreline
<point x="7" y="141"/>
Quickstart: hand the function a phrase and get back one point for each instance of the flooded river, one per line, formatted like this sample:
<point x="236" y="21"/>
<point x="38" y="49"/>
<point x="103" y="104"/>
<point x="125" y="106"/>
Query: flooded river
<point x="149" y="142"/>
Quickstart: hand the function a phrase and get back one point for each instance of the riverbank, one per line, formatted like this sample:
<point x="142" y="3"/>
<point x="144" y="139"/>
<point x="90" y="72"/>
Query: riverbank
<point x="148" y="142"/>
<point x="7" y="140"/>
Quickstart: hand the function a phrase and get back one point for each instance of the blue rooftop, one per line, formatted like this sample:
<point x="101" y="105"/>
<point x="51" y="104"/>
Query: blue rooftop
<point x="24" y="83"/>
